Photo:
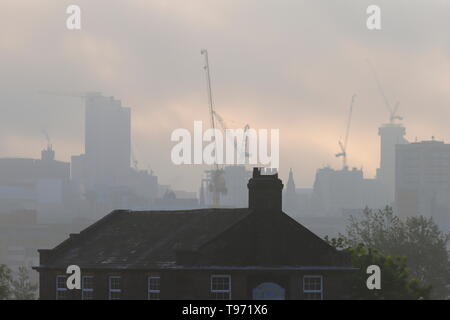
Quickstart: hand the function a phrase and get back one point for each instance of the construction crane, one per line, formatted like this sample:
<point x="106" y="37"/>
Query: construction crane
<point x="216" y="176"/>
<point x="392" y="111"/>
<point x="47" y="138"/>
<point x="224" y="126"/>
<point x="343" y="145"/>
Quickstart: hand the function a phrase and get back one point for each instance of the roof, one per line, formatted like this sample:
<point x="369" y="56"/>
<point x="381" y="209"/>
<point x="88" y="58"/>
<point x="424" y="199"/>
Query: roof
<point x="195" y="239"/>
<point x="142" y="239"/>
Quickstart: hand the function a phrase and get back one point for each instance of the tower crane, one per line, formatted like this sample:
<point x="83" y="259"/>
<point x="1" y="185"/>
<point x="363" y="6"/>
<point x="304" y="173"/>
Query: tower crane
<point x="392" y="110"/>
<point x="343" y="145"/>
<point x="216" y="176"/>
<point x="47" y="138"/>
<point x="224" y="127"/>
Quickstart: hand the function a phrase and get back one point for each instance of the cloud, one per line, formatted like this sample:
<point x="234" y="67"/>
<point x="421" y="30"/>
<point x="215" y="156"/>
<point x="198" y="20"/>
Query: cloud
<point x="291" y="65"/>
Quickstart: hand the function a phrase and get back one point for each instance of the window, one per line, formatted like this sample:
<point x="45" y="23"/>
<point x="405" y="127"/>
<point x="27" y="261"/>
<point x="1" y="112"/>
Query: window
<point x="87" y="286"/>
<point x="115" y="288"/>
<point x="221" y="287"/>
<point x="153" y="287"/>
<point x="312" y="287"/>
<point x="61" y="288"/>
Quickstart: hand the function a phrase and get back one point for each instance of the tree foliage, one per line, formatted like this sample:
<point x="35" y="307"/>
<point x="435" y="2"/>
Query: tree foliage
<point x="396" y="282"/>
<point x="417" y="239"/>
<point x="5" y="282"/>
<point x="21" y="286"/>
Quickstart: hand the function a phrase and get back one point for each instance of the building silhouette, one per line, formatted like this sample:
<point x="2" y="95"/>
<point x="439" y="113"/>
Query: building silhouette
<point x="257" y="252"/>
<point x="337" y="193"/>
<point x="107" y="135"/>
<point x="42" y="185"/>
<point x="103" y="173"/>
<point x="391" y="134"/>
<point x="423" y="180"/>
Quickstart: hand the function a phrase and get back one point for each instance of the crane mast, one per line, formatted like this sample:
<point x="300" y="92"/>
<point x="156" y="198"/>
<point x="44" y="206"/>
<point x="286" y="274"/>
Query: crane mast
<point x="343" y="145"/>
<point x="392" y="111"/>
<point x="204" y="52"/>
<point x="216" y="176"/>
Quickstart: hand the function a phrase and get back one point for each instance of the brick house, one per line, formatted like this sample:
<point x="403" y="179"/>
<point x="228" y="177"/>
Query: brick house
<point x="257" y="252"/>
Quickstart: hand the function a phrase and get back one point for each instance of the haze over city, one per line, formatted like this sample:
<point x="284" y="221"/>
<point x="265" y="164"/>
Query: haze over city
<point x="224" y="150"/>
<point x="292" y="65"/>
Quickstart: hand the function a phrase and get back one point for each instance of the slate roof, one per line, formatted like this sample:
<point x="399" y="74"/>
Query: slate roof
<point x="142" y="239"/>
<point x="258" y="237"/>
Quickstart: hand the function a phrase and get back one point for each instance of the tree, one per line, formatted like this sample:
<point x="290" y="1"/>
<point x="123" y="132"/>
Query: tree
<point x="379" y="229"/>
<point x="396" y="282"/>
<point x="21" y="287"/>
<point x="5" y="282"/>
<point x="418" y="239"/>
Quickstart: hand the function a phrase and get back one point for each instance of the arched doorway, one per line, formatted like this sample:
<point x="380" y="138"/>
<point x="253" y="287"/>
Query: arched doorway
<point x="268" y="291"/>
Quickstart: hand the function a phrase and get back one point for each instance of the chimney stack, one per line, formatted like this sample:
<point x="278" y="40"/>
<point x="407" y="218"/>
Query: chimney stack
<point x="265" y="191"/>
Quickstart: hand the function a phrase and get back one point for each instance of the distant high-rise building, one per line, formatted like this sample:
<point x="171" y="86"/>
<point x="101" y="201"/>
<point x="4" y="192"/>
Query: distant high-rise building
<point x="422" y="185"/>
<point x="103" y="172"/>
<point x="391" y="134"/>
<point x="42" y="185"/>
<point x="107" y="141"/>
<point x="339" y="192"/>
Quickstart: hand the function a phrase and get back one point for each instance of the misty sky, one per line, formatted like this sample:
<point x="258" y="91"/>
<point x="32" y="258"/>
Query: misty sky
<point x="292" y="65"/>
